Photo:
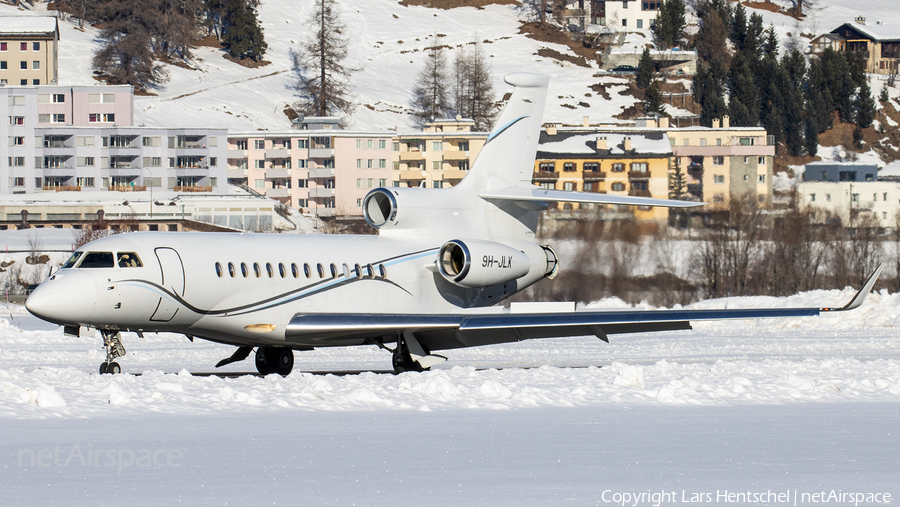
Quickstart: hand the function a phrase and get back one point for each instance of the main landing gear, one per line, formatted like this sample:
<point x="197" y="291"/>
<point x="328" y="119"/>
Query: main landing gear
<point x="410" y="355"/>
<point x="278" y="360"/>
<point x="112" y="341"/>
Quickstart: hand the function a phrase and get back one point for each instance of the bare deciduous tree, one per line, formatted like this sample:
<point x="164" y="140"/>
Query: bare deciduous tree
<point x="431" y="94"/>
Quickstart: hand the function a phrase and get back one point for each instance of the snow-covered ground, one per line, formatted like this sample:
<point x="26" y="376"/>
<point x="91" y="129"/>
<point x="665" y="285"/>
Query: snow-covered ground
<point x="789" y="406"/>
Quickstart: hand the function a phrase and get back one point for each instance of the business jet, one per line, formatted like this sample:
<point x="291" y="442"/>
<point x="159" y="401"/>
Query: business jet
<point x="429" y="281"/>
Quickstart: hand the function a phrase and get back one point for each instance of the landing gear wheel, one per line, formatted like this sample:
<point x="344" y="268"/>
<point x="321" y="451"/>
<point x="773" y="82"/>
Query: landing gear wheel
<point x="281" y="360"/>
<point x="112" y="342"/>
<point x="263" y="362"/>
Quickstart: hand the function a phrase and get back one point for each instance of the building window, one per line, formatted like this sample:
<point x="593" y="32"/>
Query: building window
<point x="302" y="183"/>
<point x="640" y="23"/>
<point x="59" y="118"/>
<point x="718" y="160"/>
<point x="23" y="82"/>
<point x="719" y="198"/>
<point x="640" y="167"/>
<point x="762" y="178"/>
<point x="301" y="144"/>
<point x="436" y="165"/>
<point x="624" y="21"/>
<point x="36" y="46"/>
<point x="650" y="6"/>
<point x="16" y="162"/>
<point x="639" y="185"/>
<point x="2" y="46"/>
<point x="546" y="166"/>
<point x="84" y="182"/>
<point x="618" y="168"/>
<point x="259" y="184"/>
<point x="395" y="146"/>
<point x="569" y="166"/>
<point x="259" y="144"/>
<point x="703" y="142"/>
<point x="43" y="118"/>
<point x="17" y="120"/>
<point x="359" y="202"/>
<point x="18" y="141"/>
<point x="718" y="178"/>
<point x="591" y="166"/>
<point x="3" y="65"/>
<point x="761" y="161"/>
<point x="59" y="98"/>
<point x="569" y="185"/>
<point x="382" y="144"/>
<point x="437" y="146"/>
<point x="382" y="163"/>
<point x="618" y="187"/>
<point x="437" y="184"/>
<point x="812" y="197"/>
<point x="23" y="65"/>
<point x="548" y="185"/>
<point x="85" y="162"/>
<point x="35" y="82"/>
<point x="36" y="65"/>
<point x="23" y="46"/>
<point x="828" y="197"/>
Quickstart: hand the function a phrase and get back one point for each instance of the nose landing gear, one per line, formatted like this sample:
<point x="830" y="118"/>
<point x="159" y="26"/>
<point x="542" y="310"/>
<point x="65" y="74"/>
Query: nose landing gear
<point x="112" y="341"/>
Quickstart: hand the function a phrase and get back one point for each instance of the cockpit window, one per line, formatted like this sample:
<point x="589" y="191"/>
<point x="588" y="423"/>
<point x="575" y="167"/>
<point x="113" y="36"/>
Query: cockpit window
<point x="72" y="260"/>
<point x="97" y="260"/>
<point x="129" y="260"/>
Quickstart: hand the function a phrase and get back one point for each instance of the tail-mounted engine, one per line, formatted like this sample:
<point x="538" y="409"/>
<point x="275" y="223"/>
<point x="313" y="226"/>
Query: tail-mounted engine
<point x="476" y="263"/>
<point x="380" y="208"/>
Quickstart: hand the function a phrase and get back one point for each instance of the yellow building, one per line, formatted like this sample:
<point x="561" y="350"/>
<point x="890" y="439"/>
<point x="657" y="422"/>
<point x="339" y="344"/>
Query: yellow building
<point x="28" y="50"/>
<point x="621" y="162"/>
<point x="438" y="157"/>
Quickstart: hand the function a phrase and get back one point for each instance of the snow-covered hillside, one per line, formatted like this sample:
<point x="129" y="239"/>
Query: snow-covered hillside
<point x="387" y="42"/>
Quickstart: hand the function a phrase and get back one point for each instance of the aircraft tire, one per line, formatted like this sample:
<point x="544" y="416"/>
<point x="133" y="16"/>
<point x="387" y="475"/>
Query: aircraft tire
<point x="263" y="360"/>
<point x="113" y="368"/>
<point x="103" y="367"/>
<point x="281" y="360"/>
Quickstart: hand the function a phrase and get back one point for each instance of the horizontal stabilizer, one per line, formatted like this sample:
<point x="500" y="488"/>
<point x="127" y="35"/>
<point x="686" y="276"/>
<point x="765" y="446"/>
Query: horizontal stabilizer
<point x="542" y="194"/>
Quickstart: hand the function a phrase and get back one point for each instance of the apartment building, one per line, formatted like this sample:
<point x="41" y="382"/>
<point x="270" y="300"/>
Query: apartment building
<point x="878" y="43"/>
<point x="63" y="137"/>
<point x="326" y="171"/>
<point x="723" y="161"/>
<point x="851" y="201"/>
<point x="617" y="161"/>
<point x="437" y="157"/>
<point x="29" y="48"/>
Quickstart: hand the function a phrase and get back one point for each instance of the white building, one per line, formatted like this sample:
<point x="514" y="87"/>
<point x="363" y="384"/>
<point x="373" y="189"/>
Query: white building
<point x="849" y="200"/>
<point x="625" y="14"/>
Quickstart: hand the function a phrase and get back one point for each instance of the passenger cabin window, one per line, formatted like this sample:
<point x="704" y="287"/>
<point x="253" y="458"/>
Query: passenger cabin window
<point x="270" y="271"/>
<point x="72" y="260"/>
<point x="257" y="270"/>
<point x="244" y="271"/>
<point x="218" y="270"/>
<point x="359" y="273"/>
<point x="296" y="272"/>
<point x="231" y="270"/>
<point x="334" y="272"/>
<point x="131" y="260"/>
<point x="97" y="260"/>
<point x="321" y="270"/>
<point x="281" y="270"/>
<point x="306" y="270"/>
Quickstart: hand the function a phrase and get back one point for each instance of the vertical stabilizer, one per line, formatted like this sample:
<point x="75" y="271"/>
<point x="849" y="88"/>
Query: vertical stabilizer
<point x="507" y="158"/>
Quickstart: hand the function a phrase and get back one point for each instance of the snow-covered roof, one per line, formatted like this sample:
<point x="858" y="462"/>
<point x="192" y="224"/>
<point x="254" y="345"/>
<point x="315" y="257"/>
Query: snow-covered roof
<point x="579" y="145"/>
<point x="878" y="31"/>
<point x="27" y="24"/>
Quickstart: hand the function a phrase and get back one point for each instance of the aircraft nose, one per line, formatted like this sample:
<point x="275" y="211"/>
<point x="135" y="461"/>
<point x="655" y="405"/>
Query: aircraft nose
<point x="67" y="298"/>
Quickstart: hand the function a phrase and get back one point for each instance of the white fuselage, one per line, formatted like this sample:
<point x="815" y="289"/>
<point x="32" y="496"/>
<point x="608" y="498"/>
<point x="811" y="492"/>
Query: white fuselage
<point x="245" y="288"/>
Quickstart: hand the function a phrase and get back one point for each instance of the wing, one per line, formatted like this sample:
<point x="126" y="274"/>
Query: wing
<point x="541" y="194"/>
<point x="449" y="331"/>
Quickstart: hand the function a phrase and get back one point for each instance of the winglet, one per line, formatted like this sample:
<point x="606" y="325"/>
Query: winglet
<point x="860" y="296"/>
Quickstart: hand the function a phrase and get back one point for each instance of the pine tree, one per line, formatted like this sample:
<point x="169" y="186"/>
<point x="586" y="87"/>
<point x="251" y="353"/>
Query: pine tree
<point x="884" y="96"/>
<point x="864" y="105"/>
<point x="743" y="99"/>
<point x="323" y="85"/>
<point x="126" y="56"/>
<point x="738" y="30"/>
<point x="474" y="91"/>
<point x="653" y="103"/>
<point x="668" y="29"/>
<point x="678" y="217"/>
<point x="646" y="68"/>
<point x="712" y="38"/>
<point x="243" y="37"/>
<point x="709" y="91"/>
<point x="430" y="96"/>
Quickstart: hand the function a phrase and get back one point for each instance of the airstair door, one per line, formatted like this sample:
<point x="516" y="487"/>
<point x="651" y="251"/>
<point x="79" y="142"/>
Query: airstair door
<point x="172" y="281"/>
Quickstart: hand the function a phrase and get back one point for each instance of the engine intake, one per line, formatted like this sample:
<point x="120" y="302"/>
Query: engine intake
<point x="380" y="207"/>
<point x="474" y="263"/>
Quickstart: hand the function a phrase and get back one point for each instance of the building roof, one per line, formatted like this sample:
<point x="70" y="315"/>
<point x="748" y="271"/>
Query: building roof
<point x="877" y="32"/>
<point x="582" y="145"/>
<point x="32" y="25"/>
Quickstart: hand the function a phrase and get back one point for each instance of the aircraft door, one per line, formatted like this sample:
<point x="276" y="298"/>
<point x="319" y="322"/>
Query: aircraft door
<point x="172" y="271"/>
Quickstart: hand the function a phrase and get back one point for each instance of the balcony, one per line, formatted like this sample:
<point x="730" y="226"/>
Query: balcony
<point x="62" y="188"/>
<point x="321" y="192"/>
<point x="278" y="172"/>
<point x="321" y="172"/>
<point x="237" y="173"/>
<point x="638" y="175"/>
<point x="58" y="171"/>
<point x="196" y="188"/>
<point x="321" y="152"/>
<point x="321" y="211"/>
<point x="594" y="175"/>
<point x="237" y="153"/>
<point x="456" y="155"/>
<point x="278" y="192"/>
<point x="278" y="153"/>
<point x="127" y="188"/>
<point x="411" y="175"/>
<point x="454" y="174"/>
<point x="639" y="193"/>
<point x="411" y="155"/>
<point x="545" y="176"/>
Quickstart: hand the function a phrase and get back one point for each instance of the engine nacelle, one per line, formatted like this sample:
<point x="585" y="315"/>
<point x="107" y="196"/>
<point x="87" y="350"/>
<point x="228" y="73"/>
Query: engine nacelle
<point x="380" y="208"/>
<point x="475" y="263"/>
